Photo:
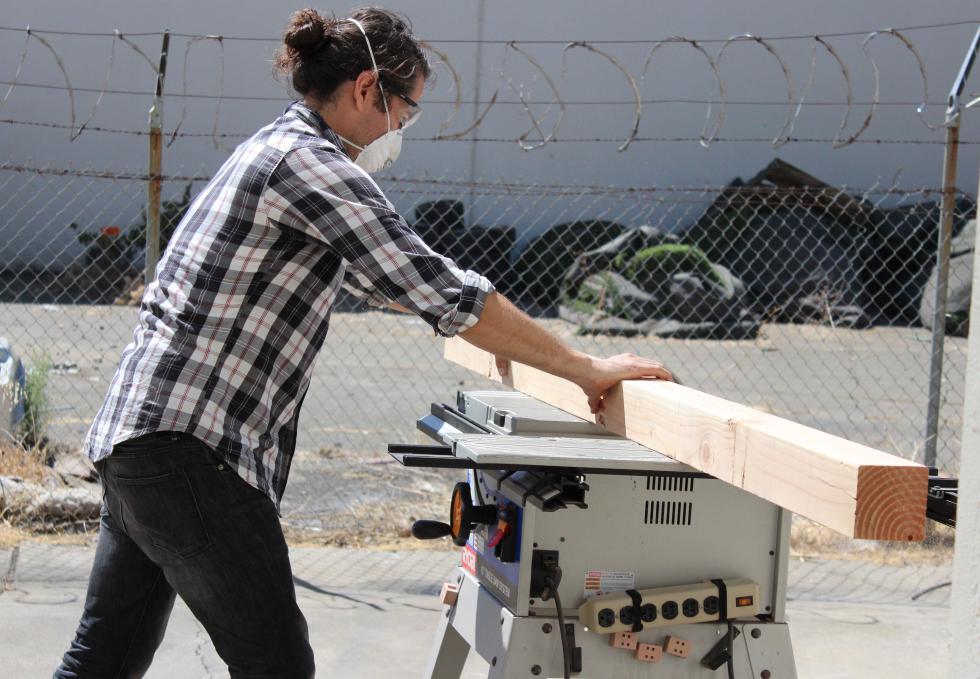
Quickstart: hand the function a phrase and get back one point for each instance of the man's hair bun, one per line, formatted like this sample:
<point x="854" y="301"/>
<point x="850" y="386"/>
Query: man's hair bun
<point x="305" y="32"/>
<point x="319" y="53"/>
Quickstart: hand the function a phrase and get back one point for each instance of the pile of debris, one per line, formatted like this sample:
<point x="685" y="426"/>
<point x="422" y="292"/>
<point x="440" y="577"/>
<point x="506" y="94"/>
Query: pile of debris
<point x="647" y="282"/>
<point x="794" y="241"/>
<point x="60" y="489"/>
<point x="783" y="247"/>
<point x="809" y="252"/>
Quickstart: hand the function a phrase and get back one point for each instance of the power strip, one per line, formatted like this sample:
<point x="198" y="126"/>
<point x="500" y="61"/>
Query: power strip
<point x="666" y="606"/>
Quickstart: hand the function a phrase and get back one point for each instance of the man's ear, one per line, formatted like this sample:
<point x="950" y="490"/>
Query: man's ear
<point x="364" y="86"/>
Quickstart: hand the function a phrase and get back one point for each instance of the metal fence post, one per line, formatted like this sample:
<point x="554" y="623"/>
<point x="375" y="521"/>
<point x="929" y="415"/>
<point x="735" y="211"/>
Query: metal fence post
<point x="952" y="126"/>
<point x="156" y="163"/>
<point x="964" y="618"/>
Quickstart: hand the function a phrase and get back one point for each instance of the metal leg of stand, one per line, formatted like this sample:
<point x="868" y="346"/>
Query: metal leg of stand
<point x="448" y="652"/>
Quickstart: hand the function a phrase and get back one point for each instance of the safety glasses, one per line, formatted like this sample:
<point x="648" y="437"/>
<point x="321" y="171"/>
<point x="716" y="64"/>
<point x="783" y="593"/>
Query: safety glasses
<point x="414" y="111"/>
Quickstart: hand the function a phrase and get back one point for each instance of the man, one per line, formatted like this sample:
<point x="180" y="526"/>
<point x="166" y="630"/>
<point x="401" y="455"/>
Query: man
<point x="196" y="435"/>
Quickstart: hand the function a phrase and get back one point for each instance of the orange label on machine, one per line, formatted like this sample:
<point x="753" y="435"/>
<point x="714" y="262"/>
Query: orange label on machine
<point x="601" y="582"/>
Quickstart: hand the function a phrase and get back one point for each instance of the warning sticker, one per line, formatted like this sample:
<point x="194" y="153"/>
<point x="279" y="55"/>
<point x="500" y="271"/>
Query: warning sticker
<point x="602" y="582"/>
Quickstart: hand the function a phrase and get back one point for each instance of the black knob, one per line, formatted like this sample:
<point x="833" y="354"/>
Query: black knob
<point x="430" y="530"/>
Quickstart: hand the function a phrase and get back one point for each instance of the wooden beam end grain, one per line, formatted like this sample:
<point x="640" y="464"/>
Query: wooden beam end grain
<point x="893" y="505"/>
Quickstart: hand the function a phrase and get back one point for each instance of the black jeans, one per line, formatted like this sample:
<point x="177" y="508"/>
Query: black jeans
<point x="178" y="520"/>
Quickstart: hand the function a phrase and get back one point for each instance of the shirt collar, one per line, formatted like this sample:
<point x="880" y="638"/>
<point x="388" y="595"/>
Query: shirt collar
<point x="316" y="121"/>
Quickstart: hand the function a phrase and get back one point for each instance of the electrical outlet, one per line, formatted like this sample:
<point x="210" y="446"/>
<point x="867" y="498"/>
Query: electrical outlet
<point x="691" y="608"/>
<point x="606" y="617"/>
<point x="649" y="652"/>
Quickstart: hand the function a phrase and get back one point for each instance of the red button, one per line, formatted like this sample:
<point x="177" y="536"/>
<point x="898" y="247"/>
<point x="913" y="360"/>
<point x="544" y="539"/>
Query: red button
<point x="503" y="530"/>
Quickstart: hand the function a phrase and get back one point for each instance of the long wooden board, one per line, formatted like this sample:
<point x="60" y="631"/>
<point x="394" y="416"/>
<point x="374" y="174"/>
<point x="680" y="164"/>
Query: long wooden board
<point x="854" y="489"/>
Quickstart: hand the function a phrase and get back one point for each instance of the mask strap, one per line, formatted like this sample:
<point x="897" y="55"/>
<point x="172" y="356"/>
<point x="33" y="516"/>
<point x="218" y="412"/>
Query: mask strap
<point x="374" y="64"/>
<point x="360" y="27"/>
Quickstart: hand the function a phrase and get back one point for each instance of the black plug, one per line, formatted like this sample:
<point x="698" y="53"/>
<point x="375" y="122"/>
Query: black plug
<point x="552" y="578"/>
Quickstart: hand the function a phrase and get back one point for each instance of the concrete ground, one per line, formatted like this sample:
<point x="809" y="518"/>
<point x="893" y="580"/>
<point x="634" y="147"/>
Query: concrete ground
<point x="847" y="620"/>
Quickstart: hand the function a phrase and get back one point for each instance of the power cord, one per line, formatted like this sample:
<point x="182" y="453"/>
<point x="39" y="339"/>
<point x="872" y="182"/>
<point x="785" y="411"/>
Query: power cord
<point x="551" y="581"/>
<point x="731" y="650"/>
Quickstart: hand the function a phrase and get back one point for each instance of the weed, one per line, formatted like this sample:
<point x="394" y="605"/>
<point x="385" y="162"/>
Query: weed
<point x="31" y="429"/>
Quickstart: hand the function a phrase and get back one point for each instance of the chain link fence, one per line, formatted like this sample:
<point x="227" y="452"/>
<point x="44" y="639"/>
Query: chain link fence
<point x="777" y="291"/>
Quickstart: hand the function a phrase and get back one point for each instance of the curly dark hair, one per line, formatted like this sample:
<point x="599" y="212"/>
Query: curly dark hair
<point x="320" y="52"/>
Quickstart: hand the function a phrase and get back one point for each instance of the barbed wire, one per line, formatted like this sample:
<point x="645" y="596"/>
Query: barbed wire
<point x="794" y="106"/>
<point x="498" y="101"/>
<point x="30" y="35"/>
<point x="507" y="140"/>
<point x="847" y="82"/>
<point x="145" y="93"/>
<point x="496" y="185"/>
<point x="485" y="41"/>
<point x="715" y="71"/>
<point x="716" y="103"/>
<point x="221" y="85"/>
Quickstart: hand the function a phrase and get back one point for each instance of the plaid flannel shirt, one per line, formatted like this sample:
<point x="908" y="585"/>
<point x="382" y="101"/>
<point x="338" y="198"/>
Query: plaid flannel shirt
<point x="229" y="329"/>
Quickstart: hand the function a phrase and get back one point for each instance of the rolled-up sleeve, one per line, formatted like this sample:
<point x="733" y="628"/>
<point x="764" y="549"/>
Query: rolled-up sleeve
<point x="319" y="191"/>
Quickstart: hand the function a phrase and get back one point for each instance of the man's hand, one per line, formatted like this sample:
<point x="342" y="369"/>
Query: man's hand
<point x="608" y="372"/>
<point x="507" y="333"/>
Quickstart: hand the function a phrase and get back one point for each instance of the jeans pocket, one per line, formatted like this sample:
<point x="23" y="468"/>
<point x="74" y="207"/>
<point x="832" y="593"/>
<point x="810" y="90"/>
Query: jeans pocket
<point x="165" y="508"/>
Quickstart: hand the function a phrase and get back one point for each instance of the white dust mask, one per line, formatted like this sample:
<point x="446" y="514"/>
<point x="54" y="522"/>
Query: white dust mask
<point x="380" y="153"/>
<point x="383" y="151"/>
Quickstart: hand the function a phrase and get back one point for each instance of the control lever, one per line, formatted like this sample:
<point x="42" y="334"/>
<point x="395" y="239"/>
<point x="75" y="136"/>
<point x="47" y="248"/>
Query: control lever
<point x="430" y="530"/>
<point x="463" y="516"/>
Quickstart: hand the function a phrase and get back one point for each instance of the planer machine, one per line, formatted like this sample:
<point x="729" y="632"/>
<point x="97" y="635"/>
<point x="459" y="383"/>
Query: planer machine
<point x="585" y="554"/>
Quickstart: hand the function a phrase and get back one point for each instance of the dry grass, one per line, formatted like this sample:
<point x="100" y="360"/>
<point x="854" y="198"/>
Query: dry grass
<point x="22" y="463"/>
<point x="809" y="539"/>
<point x="381" y="539"/>
<point x="12" y="535"/>
<point x="31" y="464"/>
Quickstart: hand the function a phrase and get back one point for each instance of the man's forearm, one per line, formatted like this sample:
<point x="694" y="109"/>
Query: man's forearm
<point x="506" y="331"/>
